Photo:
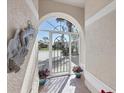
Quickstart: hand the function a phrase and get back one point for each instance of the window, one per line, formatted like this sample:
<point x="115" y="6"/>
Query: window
<point x="57" y="24"/>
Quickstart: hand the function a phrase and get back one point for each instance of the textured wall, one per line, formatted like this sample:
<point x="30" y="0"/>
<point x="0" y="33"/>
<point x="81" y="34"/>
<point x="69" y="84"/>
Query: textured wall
<point x="36" y="2"/>
<point x="101" y="49"/>
<point x="18" y="14"/>
<point x="93" y="6"/>
<point x="48" y="6"/>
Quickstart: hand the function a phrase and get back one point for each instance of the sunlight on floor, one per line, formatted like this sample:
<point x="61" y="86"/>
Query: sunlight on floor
<point x="64" y="84"/>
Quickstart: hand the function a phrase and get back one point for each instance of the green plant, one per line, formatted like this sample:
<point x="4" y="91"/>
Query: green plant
<point x="65" y="51"/>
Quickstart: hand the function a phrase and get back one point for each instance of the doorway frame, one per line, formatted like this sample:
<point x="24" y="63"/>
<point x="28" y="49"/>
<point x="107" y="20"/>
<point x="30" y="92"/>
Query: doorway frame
<point x="50" y="49"/>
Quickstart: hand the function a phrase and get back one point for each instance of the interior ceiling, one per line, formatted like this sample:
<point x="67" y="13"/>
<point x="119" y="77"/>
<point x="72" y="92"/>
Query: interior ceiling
<point x="78" y="3"/>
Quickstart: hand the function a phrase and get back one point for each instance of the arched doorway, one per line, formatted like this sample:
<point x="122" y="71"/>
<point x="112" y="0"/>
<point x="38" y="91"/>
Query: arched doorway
<point x="63" y="42"/>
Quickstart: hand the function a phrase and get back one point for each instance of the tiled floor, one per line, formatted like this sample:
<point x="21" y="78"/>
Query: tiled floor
<point x="64" y="84"/>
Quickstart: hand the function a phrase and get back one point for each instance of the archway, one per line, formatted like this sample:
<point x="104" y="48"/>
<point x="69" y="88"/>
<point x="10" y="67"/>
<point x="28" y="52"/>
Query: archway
<point x="74" y="22"/>
<point x="64" y="16"/>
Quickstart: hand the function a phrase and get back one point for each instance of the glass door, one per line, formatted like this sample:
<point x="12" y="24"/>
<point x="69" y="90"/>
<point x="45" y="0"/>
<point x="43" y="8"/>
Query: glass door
<point x="43" y="50"/>
<point x="60" y="54"/>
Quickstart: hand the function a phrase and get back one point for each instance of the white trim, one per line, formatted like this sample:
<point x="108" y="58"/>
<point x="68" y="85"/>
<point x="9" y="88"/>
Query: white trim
<point x="96" y="83"/>
<point x="50" y="52"/>
<point x="29" y="74"/>
<point x="70" y="67"/>
<point x="60" y="32"/>
<point x="33" y="8"/>
<point x="35" y="83"/>
<point x="79" y="49"/>
<point x="107" y="9"/>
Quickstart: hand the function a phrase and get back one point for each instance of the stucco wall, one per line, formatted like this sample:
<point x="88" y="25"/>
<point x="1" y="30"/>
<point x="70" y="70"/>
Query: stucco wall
<point x="18" y="14"/>
<point x="49" y="6"/>
<point x="101" y="49"/>
<point x="93" y="6"/>
<point x="36" y="2"/>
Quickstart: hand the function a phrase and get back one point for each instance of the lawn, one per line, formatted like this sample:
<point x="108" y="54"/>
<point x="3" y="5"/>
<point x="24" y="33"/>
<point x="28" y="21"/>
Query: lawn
<point x="44" y="49"/>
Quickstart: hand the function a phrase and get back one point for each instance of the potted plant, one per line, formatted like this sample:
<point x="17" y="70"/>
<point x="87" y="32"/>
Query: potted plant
<point x="43" y="74"/>
<point x="77" y="70"/>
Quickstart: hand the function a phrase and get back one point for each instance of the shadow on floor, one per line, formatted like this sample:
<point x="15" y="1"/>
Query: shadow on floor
<point x="58" y="61"/>
<point x="79" y="85"/>
<point x="54" y="85"/>
<point x="64" y="84"/>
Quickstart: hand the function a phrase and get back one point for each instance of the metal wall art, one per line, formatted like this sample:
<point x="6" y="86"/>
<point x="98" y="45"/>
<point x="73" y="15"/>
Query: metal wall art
<point x="18" y="47"/>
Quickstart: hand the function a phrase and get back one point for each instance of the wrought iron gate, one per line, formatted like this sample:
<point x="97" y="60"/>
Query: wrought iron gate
<point x="60" y="54"/>
<point x="60" y="47"/>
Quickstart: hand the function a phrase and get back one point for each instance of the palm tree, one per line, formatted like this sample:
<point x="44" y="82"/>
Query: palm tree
<point x="62" y="36"/>
<point x="69" y="25"/>
<point x="60" y="19"/>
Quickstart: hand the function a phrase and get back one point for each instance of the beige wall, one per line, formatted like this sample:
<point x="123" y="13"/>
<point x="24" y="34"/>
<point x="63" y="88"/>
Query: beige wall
<point x="101" y="49"/>
<point x="93" y="6"/>
<point x="18" y="14"/>
<point x="48" y="6"/>
<point x="100" y="37"/>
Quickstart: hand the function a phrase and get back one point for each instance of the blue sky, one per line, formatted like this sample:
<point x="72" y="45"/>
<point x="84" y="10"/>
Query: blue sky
<point x="46" y="26"/>
<point x="49" y="24"/>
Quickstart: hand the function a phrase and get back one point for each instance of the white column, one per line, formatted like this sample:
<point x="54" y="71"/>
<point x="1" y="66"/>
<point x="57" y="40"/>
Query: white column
<point x="70" y="54"/>
<point x="50" y="52"/>
<point x="79" y="50"/>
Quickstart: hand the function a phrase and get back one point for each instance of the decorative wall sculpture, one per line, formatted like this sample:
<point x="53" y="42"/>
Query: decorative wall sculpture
<point x="18" y="47"/>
